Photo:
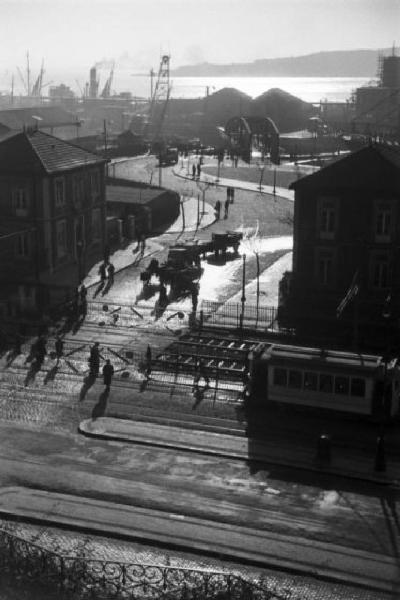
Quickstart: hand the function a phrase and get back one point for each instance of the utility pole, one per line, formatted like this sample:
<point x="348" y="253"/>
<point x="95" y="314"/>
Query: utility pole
<point x="28" y="74"/>
<point x="243" y="298"/>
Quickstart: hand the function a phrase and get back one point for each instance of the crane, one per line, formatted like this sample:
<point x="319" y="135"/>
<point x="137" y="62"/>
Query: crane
<point x="106" y="93"/>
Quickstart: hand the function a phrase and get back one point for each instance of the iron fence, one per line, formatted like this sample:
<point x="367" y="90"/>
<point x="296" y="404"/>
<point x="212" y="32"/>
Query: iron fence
<point x="232" y="314"/>
<point x="77" y="577"/>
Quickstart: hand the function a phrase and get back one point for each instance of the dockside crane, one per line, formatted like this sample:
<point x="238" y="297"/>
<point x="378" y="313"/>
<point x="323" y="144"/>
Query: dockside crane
<point x="106" y="93"/>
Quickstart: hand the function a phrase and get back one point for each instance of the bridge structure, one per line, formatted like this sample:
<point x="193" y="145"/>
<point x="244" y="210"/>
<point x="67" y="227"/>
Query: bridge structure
<point x="245" y="134"/>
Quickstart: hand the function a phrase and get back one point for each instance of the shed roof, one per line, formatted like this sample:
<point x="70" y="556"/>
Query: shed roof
<point x="131" y="195"/>
<point x="39" y="152"/>
<point x="373" y="167"/>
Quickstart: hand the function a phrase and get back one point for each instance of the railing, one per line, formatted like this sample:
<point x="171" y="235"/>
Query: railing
<point x="75" y="577"/>
<point x="230" y="315"/>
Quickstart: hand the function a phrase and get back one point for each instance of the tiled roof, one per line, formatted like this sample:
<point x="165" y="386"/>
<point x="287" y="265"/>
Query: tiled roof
<point x="131" y="195"/>
<point x="38" y="152"/>
<point x="374" y="167"/>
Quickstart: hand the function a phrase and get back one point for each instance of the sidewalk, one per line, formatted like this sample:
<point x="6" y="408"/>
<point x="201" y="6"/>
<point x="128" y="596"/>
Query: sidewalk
<point x="236" y="183"/>
<point x="174" y="530"/>
<point x="286" y="453"/>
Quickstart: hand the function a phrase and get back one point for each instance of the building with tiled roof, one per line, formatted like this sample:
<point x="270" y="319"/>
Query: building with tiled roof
<point x="52" y="211"/>
<point x="346" y="251"/>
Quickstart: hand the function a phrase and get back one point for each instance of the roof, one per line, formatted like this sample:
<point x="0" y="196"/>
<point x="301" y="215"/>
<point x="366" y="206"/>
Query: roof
<point x="319" y="357"/>
<point x="373" y="167"/>
<point x="42" y="116"/>
<point x="39" y="152"/>
<point x="131" y="195"/>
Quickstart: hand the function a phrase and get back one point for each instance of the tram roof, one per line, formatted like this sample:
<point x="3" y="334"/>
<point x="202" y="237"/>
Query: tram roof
<point x="321" y="356"/>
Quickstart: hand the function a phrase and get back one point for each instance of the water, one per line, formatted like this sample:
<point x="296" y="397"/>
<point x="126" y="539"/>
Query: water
<point x="310" y="89"/>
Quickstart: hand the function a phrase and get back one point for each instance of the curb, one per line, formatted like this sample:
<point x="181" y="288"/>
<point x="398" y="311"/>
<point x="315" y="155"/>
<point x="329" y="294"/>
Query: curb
<point x="123" y="438"/>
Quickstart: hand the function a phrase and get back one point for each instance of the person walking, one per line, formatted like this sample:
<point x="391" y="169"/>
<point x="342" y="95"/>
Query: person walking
<point x="193" y="171"/>
<point x="198" y="170"/>
<point x="83" y="300"/>
<point x="148" y="362"/>
<point x="94" y="360"/>
<point x="227" y="202"/>
<point x="195" y="296"/>
<point x="102" y="272"/>
<point x="142" y="244"/>
<point x="108" y="372"/>
<point x="59" y="348"/>
<point x="110" y="271"/>
<point x="200" y="371"/>
<point x="217" y="209"/>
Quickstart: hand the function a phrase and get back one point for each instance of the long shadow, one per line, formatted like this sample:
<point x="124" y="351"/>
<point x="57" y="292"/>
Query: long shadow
<point x="100" y="408"/>
<point x="33" y="371"/>
<point x="98" y="289"/>
<point x="51" y="375"/>
<point x="147" y="292"/>
<point x="107" y="288"/>
<point x="159" y="309"/>
<point x="87" y="384"/>
<point x="198" y="394"/>
<point x="12" y="355"/>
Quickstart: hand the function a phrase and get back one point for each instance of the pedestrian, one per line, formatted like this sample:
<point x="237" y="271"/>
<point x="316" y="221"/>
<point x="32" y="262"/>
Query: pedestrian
<point x="227" y="202"/>
<point x="94" y="360"/>
<point x="195" y="296"/>
<point x="200" y="371"/>
<point x="108" y="372"/>
<point x="41" y="349"/>
<point x="102" y="272"/>
<point x="162" y="299"/>
<point x="148" y="362"/>
<point x="198" y="170"/>
<point x="111" y="271"/>
<point x="193" y="170"/>
<point x="217" y="209"/>
<point x="142" y="243"/>
<point x="59" y="348"/>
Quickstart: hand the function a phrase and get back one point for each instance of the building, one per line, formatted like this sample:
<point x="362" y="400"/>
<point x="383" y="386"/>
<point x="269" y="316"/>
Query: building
<point x="52" y="214"/>
<point x="141" y="208"/>
<point x="51" y="119"/>
<point x="346" y="252"/>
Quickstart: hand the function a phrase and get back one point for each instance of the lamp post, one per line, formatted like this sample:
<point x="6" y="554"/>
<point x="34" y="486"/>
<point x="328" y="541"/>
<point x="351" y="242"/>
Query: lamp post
<point x="274" y="190"/>
<point x="243" y="298"/>
<point x="380" y="458"/>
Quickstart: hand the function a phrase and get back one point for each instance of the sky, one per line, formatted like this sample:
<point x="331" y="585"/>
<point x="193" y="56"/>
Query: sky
<point x="81" y="33"/>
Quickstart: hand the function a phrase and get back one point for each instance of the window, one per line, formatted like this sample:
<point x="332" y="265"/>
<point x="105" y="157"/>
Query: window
<point x="342" y="385"/>
<point x="59" y="189"/>
<point x="383" y="221"/>
<point x="324" y="267"/>
<point x="380" y="271"/>
<point x="61" y="238"/>
<point x="327" y="218"/>
<point x="295" y="379"/>
<point x="21" y="201"/>
<point x="23" y="246"/>
<point x="310" y="381"/>
<point x="96" y="224"/>
<point x="326" y="383"/>
<point x="358" y="387"/>
<point x="280" y="377"/>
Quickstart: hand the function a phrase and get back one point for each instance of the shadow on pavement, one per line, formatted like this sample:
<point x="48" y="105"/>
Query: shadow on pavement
<point x="51" y="375"/>
<point x="33" y="371"/>
<point x="100" y="408"/>
<point x="87" y="384"/>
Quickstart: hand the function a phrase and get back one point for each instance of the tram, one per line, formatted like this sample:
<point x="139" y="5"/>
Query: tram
<point x="340" y="381"/>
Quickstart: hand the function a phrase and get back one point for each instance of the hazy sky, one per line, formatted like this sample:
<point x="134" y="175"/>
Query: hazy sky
<point x="70" y="33"/>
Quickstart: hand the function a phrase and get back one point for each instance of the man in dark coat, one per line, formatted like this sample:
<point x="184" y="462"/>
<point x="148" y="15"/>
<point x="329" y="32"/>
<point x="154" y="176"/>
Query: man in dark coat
<point x="108" y="372"/>
<point x="94" y="360"/>
<point x="59" y="348"/>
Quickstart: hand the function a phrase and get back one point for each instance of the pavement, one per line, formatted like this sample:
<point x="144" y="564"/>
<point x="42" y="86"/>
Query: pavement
<point x="287" y="453"/>
<point x="294" y="553"/>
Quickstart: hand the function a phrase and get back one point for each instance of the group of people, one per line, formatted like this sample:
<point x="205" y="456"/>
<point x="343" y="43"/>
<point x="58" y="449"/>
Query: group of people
<point x="107" y="270"/>
<point x="217" y="208"/>
<point x="94" y="366"/>
<point x="196" y="170"/>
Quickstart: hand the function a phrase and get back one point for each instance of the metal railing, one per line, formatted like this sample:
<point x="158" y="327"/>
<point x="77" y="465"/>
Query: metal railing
<point x="77" y="577"/>
<point x="230" y="314"/>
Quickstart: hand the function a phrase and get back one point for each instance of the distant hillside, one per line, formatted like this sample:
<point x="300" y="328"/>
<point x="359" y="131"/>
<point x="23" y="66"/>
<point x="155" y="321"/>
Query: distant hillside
<point x="341" y="63"/>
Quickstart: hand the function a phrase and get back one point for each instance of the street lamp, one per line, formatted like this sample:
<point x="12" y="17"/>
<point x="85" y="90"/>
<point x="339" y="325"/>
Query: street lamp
<point x="380" y="459"/>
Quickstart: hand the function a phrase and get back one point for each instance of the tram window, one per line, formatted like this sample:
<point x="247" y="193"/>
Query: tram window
<point x="358" y="387"/>
<point x="295" y="379"/>
<point x="342" y="385"/>
<point x="280" y="377"/>
<point x="310" y="381"/>
<point x="326" y="383"/>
